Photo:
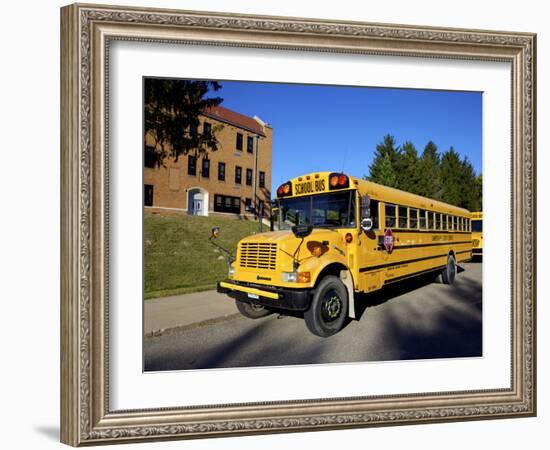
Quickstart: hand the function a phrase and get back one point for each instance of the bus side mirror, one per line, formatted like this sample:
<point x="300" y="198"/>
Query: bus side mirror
<point x="302" y="231"/>
<point x="366" y="224"/>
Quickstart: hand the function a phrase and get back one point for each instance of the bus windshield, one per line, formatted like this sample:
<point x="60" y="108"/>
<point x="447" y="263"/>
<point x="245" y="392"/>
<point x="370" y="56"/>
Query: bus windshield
<point x="477" y="226"/>
<point x="336" y="209"/>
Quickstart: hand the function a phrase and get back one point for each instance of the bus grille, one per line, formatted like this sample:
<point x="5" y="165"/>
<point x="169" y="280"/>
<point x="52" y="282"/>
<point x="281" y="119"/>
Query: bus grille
<point x="258" y="255"/>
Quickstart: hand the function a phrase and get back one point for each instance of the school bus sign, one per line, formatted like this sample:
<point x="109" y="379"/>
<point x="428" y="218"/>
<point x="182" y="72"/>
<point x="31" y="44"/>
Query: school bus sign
<point x="337" y="236"/>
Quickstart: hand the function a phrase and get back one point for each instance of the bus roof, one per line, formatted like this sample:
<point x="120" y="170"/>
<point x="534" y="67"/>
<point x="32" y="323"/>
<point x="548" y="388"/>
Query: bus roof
<point x="390" y="195"/>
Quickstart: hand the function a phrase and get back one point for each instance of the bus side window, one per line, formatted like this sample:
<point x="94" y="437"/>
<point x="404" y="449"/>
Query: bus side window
<point x="422" y="221"/>
<point x="461" y="224"/>
<point x="413" y="218"/>
<point x="403" y="217"/>
<point x="390" y="216"/>
<point x="430" y="220"/>
<point x="445" y="220"/>
<point x="374" y="214"/>
<point x="437" y="221"/>
<point x="455" y="224"/>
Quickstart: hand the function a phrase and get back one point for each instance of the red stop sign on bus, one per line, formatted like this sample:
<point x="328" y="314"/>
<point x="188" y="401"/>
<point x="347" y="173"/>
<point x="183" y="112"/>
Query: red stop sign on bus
<point x="388" y="240"/>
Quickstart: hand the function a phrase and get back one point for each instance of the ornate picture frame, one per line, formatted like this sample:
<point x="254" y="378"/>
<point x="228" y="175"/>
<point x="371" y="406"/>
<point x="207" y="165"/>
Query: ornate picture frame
<point x="86" y="34"/>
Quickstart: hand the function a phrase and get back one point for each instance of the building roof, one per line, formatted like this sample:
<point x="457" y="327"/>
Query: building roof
<point x="234" y="118"/>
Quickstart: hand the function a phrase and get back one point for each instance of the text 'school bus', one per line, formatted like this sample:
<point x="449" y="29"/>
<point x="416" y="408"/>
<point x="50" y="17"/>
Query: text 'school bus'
<point x="338" y="236"/>
<point x="477" y="233"/>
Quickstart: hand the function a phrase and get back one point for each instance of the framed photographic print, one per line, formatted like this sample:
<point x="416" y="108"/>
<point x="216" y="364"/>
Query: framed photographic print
<point x="277" y="224"/>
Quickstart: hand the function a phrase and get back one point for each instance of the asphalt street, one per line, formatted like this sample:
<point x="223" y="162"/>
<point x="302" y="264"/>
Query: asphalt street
<point x="414" y="319"/>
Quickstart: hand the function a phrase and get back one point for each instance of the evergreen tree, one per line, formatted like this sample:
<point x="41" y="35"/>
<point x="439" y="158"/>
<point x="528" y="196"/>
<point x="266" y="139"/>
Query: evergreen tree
<point x="386" y="156"/>
<point x="452" y="180"/>
<point x="429" y="177"/>
<point x="469" y="192"/>
<point x="387" y="175"/>
<point x="408" y="176"/>
<point x="478" y="193"/>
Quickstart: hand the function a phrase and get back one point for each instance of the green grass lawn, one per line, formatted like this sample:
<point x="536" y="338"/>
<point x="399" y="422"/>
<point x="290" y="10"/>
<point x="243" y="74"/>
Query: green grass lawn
<point x="178" y="257"/>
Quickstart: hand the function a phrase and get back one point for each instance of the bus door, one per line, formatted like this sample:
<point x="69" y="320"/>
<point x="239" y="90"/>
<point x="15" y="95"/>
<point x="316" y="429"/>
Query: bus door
<point x="368" y="250"/>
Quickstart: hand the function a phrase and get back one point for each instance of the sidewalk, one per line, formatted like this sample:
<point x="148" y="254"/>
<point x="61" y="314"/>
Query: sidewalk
<point x="182" y="310"/>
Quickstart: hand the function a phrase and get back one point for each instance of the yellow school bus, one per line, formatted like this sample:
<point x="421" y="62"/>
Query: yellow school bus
<point x="338" y="236"/>
<point x="477" y="233"/>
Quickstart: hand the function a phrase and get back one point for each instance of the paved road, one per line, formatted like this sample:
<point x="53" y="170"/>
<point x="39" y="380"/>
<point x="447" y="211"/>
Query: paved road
<point x="411" y="320"/>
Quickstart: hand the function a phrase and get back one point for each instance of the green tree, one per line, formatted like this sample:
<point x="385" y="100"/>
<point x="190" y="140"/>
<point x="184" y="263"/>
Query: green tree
<point x="478" y="192"/>
<point x="387" y="175"/>
<point x="470" y="198"/>
<point x="383" y="167"/>
<point x="452" y="178"/>
<point x="408" y="175"/>
<point x="171" y="117"/>
<point x="429" y="173"/>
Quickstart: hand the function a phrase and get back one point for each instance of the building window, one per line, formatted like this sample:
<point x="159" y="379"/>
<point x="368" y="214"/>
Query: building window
<point x="262" y="179"/>
<point x="226" y="203"/>
<point x="239" y="143"/>
<point x="390" y="216"/>
<point x="207" y="130"/>
<point x="238" y="174"/>
<point x="205" y="172"/>
<point x="221" y="171"/>
<point x="248" y="204"/>
<point x="249" y="177"/>
<point x="149" y="157"/>
<point x="148" y="195"/>
<point x="250" y="144"/>
<point x="192" y="165"/>
<point x="194" y="129"/>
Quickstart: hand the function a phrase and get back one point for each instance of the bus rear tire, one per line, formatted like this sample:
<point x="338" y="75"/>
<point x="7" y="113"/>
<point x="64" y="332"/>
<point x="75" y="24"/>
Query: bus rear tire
<point x="329" y="308"/>
<point x="252" y="311"/>
<point x="449" y="272"/>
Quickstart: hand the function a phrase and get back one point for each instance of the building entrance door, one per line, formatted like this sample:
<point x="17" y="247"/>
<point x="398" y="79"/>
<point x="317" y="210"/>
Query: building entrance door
<point x="197" y="207"/>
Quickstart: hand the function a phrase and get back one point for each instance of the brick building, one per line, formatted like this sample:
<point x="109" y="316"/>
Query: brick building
<point x="221" y="181"/>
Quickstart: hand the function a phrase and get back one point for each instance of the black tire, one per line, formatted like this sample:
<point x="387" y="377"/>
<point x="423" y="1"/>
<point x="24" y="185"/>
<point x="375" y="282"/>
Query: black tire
<point x="449" y="272"/>
<point x="252" y="311"/>
<point x="329" y="308"/>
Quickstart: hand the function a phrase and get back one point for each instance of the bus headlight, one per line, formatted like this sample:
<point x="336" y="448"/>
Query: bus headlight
<point x="296" y="277"/>
<point x="288" y="277"/>
<point x="231" y="271"/>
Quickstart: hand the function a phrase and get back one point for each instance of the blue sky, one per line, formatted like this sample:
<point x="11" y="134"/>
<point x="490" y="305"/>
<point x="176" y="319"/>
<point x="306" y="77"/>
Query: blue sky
<point x="335" y="128"/>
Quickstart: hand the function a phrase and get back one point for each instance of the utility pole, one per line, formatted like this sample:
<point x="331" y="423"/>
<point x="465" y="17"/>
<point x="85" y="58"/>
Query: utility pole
<point x="255" y="175"/>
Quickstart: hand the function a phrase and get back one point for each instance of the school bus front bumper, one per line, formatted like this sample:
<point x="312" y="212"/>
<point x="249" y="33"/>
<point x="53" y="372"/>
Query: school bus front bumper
<point x="270" y="296"/>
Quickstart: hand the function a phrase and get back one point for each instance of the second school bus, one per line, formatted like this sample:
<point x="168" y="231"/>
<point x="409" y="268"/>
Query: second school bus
<point x="339" y="236"/>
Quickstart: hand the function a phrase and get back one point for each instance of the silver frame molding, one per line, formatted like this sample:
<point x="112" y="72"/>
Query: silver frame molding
<point x="86" y="31"/>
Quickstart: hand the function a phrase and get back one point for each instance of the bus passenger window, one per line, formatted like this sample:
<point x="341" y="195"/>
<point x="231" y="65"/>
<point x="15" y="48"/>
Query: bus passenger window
<point x="390" y="216"/>
<point x="455" y="223"/>
<point x="437" y="221"/>
<point x="461" y="223"/>
<point x="402" y="217"/>
<point x="413" y="218"/>
<point x="422" y="221"/>
<point x="430" y="220"/>
<point x="374" y="214"/>
<point x="445" y="220"/>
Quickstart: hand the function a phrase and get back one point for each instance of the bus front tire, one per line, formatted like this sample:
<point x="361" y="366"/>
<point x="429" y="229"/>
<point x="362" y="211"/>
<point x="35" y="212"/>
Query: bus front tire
<point x="449" y="272"/>
<point x="252" y="311"/>
<point x="329" y="307"/>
